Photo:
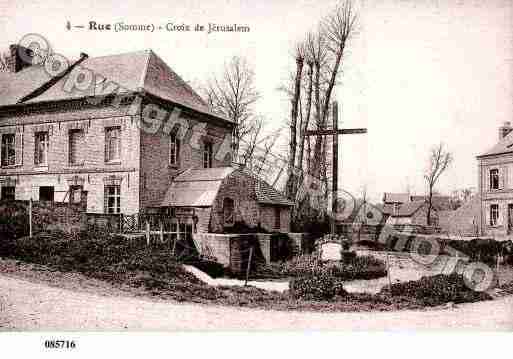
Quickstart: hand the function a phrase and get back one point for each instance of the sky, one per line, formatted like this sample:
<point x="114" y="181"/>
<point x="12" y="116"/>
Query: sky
<point x="418" y="73"/>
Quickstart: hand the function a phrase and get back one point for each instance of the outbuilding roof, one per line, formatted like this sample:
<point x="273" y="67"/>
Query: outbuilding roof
<point x="133" y="72"/>
<point x="409" y="208"/>
<point x="199" y="188"/>
<point x="396" y="197"/>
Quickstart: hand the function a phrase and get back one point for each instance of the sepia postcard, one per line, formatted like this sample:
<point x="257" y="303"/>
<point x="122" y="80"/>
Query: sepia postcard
<point x="246" y="166"/>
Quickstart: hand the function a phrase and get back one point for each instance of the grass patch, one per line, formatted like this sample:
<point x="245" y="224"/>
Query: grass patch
<point x="156" y="272"/>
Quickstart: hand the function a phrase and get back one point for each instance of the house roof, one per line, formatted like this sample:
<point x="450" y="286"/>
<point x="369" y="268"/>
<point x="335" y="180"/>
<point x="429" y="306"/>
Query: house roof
<point x="440" y="203"/>
<point x="409" y="208"/>
<point x="135" y="71"/>
<point x="266" y="194"/>
<point x="503" y="146"/>
<point x="396" y="197"/>
<point x="199" y="188"/>
<point x="196" y="187"/>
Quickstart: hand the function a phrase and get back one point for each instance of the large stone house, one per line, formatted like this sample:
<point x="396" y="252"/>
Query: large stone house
<point x="495" y="184"/>
<point x="124" y="147"/>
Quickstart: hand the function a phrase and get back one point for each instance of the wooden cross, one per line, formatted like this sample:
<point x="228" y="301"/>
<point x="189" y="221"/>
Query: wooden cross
<point x="335" y="132"/>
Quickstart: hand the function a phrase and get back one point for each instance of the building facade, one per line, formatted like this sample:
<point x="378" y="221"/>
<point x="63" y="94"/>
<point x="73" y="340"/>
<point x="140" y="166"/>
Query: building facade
<point x="495" y="183"/>
<point x="122" y="139"/>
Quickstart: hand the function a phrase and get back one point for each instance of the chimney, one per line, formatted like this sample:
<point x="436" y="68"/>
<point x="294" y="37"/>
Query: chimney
<point x="20" y="57"/>
<point x="504" y="130"/>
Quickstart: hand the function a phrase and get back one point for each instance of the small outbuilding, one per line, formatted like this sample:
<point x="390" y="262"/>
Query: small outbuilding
<point x="223" y="198"/>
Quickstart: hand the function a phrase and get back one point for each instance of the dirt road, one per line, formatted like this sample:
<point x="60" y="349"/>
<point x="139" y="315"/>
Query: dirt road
<point x="34" y="306"/>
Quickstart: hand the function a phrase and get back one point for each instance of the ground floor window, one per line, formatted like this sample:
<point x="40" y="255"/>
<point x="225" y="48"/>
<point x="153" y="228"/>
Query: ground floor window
<point x="46" y="193"/>
<point x="8" y="193"/>
<point x="277" y="218"/>
<point x="75" y="194"/>
<point x="494" y="214"/>
<point x="112" y="199"/>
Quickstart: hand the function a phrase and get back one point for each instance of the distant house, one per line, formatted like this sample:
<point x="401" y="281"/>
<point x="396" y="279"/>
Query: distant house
<point x="393" y="202"/>
<point x="223" y="197"/>
<point x="463" y="221"/>
<point x="495" y="184"/>
<point x="413" y="213"/>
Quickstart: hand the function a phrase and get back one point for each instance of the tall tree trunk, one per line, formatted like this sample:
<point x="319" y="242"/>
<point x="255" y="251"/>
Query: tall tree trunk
<point x="304" y="126"/>
<point x="293" y="128"/>
<point x="317" y="151"/>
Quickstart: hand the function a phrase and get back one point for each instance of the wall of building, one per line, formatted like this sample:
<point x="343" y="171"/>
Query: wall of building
<point x="156" y="171"/>
<point x="246" y="209"/>
<point x="59" y="173"/>
<point x="502" y="196"/>
<point x="267" y="218"/>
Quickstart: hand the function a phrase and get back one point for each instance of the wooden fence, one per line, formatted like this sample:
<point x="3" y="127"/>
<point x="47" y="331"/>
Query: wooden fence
<point x="151" y="226"/>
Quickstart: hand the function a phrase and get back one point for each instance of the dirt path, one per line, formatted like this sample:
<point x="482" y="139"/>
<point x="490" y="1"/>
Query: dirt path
<point x="35" y="306"/>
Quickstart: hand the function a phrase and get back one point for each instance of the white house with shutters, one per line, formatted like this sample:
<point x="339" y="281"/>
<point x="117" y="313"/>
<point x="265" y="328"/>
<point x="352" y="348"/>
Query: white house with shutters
<point x="495" y="168"/>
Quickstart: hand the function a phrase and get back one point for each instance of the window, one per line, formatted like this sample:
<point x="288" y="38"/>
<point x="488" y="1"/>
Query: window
<point x="228" y="212"/>
<point x="494" y="179"/>
<point x="76" y="145"/>
<point x="174" y="149"/>
<point x="41" y="149"/>
<point x="112" y="199"/>
<point x="8" y="193"/>
<point x="8" y="149"/>
<point x="277" y="218"/>
<point x="207" y="155"/>
<point x="112" y="144"/>
<point x="46" y="193"/>
<point x="494" y="214"/>
<point x="75" y="193"/>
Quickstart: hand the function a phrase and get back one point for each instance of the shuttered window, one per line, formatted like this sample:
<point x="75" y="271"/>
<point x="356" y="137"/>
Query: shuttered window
<point x="494" y="214"/>
<point x="41" y="149"/>
<point x="494" y="178"/>
<point x="76" y="147"/>
<point x="8" y="149"/>
<point x="113" y="144"/>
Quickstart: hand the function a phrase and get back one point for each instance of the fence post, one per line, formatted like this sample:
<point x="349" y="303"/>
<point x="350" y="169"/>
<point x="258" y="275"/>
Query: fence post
<point x="147" y="233"/>
<point x="249" y="265"/>
<point x="30" y="217"/>
<point x="161" y="231"/>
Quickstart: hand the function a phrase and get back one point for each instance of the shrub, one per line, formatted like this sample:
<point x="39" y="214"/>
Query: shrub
<point x="318" y="286"/>
<point x="437" y="290"/>
<point x="361" y="267"/>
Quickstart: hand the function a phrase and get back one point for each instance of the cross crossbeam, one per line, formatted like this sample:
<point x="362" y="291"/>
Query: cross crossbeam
<point x="335" y="132"/>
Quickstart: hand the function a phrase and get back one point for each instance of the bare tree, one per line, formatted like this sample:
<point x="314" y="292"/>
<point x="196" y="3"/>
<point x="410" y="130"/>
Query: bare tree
<point x="234" y="94"/>
<point x="439" y="161"/>
<point x="292" y="180"/>
<point x="336" y="30"/>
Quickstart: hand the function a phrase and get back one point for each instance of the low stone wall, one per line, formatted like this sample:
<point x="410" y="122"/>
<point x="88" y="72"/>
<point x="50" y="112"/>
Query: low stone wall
<point x="232" y="250"/>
